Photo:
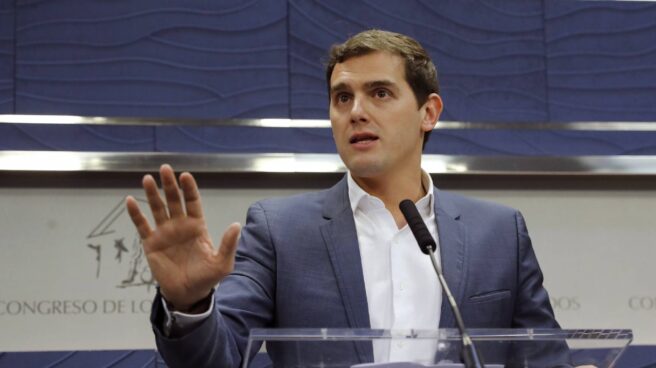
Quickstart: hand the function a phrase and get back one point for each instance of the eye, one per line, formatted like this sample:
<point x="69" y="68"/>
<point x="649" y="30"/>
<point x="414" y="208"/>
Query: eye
<point x="382" y="93"/>
<point x="342" y="97"/>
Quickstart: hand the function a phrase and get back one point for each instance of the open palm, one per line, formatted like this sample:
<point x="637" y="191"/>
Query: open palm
<point x="179" y="250"/>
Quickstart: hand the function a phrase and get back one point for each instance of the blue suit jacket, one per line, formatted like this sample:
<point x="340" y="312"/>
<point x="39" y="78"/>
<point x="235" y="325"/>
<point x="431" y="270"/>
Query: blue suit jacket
<point x="298" y="265"/>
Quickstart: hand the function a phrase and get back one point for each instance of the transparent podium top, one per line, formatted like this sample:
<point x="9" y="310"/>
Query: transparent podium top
<point x="442" y="348"/>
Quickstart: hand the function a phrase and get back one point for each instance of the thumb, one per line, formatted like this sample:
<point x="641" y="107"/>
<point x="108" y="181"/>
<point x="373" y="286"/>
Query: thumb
<point x="228" y="246"/>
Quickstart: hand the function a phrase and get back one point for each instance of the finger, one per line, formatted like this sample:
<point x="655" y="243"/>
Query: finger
<point x="138" y="218"/>
<point x="157" y="206"/>
<point x="191" y="194"/>
<point x="228" y="247"/>
<point x="171" y="191"/>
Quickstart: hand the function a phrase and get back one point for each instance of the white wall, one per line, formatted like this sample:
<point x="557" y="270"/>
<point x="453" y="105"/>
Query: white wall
<point x="596" y="249"/>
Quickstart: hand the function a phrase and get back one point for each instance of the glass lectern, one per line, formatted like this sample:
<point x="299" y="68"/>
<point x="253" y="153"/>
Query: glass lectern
<point x="327" y="348"/>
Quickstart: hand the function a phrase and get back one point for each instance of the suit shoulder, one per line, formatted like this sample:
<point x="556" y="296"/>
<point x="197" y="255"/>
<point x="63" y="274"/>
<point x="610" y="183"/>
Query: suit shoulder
<point x="461" y="204"/>
<point x="293" y="204"/>
<point x="331" y="200"/>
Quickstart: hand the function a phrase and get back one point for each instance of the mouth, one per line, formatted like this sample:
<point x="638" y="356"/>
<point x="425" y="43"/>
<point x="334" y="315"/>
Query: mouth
<point x="363" y="137"/>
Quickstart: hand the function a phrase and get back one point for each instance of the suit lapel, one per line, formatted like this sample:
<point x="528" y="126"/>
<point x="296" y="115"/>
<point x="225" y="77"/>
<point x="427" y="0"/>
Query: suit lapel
<point x="341" y="240"/>
<point x="452" y="252"/>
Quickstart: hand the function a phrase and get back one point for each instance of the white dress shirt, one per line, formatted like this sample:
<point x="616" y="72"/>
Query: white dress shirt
<point x="402" y="289"/>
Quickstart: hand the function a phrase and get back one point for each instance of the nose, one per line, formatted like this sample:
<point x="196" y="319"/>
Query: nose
<point x="358" y="111"/>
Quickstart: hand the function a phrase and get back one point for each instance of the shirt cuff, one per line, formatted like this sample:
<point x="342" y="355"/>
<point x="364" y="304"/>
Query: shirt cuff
<point x="180" y="324"/>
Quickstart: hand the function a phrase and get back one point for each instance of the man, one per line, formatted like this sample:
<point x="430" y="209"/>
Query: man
<point x="343" y="257"/>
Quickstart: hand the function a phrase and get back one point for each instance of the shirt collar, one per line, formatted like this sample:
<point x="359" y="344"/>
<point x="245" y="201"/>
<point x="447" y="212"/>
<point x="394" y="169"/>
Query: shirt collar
<point x="364" y="201"/>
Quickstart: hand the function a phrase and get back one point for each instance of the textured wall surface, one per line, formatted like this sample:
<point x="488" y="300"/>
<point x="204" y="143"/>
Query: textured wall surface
<point x="6" y="57"/>
<point x="71" y="359"/>
<point x="635" y="356"/>
<point x="498" y="60"/>
<point x="601" y="65"/>
<point x="596" y="249"/>
<point x="152" y="58"/>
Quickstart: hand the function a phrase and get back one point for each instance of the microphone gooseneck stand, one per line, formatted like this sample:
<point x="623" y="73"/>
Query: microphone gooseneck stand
<point x="428" y="246"/>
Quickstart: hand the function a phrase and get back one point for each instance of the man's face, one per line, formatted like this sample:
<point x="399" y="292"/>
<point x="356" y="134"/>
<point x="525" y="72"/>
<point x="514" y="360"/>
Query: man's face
<point x="377" y="126"/>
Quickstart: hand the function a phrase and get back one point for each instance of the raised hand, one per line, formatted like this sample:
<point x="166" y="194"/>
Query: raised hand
<point x="179" y="250"/>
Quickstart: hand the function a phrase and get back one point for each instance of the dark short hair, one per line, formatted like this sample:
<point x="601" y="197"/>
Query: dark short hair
<point x="420" y="72"/>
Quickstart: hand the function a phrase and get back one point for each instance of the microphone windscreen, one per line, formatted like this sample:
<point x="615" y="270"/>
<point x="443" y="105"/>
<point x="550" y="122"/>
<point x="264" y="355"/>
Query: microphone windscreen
<point x="417" y="226"/>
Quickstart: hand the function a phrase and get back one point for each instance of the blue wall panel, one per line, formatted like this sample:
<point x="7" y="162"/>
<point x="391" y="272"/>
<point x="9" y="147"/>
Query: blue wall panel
<point x="243" y="53"/>
<point x="542" y="143"/>
<point x="498" y="60"/>
<point x="601" y="59"/>
<point x="152" y="58"/>
<point x="244" y="139"/>
<point x="634" y="356"/>
<point x="86" y="359"/>
<point x="6" y="57"/>
<point x="76" y="138"/>
<point x="489" y="55"/>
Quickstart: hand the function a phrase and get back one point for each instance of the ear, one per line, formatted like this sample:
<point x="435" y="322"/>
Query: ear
<point x="432" y="109"/>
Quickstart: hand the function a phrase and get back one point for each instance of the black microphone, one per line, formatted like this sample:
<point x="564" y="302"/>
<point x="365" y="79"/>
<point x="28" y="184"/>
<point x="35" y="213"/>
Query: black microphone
<point x="418" y="227"/>
<point x="428" y="246"/>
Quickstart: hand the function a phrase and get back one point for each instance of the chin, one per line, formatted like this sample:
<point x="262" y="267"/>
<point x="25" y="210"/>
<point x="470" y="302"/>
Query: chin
<point x="364" y="169"/>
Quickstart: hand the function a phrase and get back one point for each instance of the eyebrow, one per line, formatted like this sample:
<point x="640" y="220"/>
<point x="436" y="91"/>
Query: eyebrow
<point x="339" y="87"/>
<point x="379" y="83"/>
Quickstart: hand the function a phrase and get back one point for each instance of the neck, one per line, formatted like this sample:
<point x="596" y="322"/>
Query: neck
<point x="392" y="189"/>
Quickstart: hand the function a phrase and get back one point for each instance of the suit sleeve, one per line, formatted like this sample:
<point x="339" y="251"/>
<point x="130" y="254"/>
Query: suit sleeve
<point x="533" y="310"/>
<point x="244" y="300"/>
<point x="532" y="307"/>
